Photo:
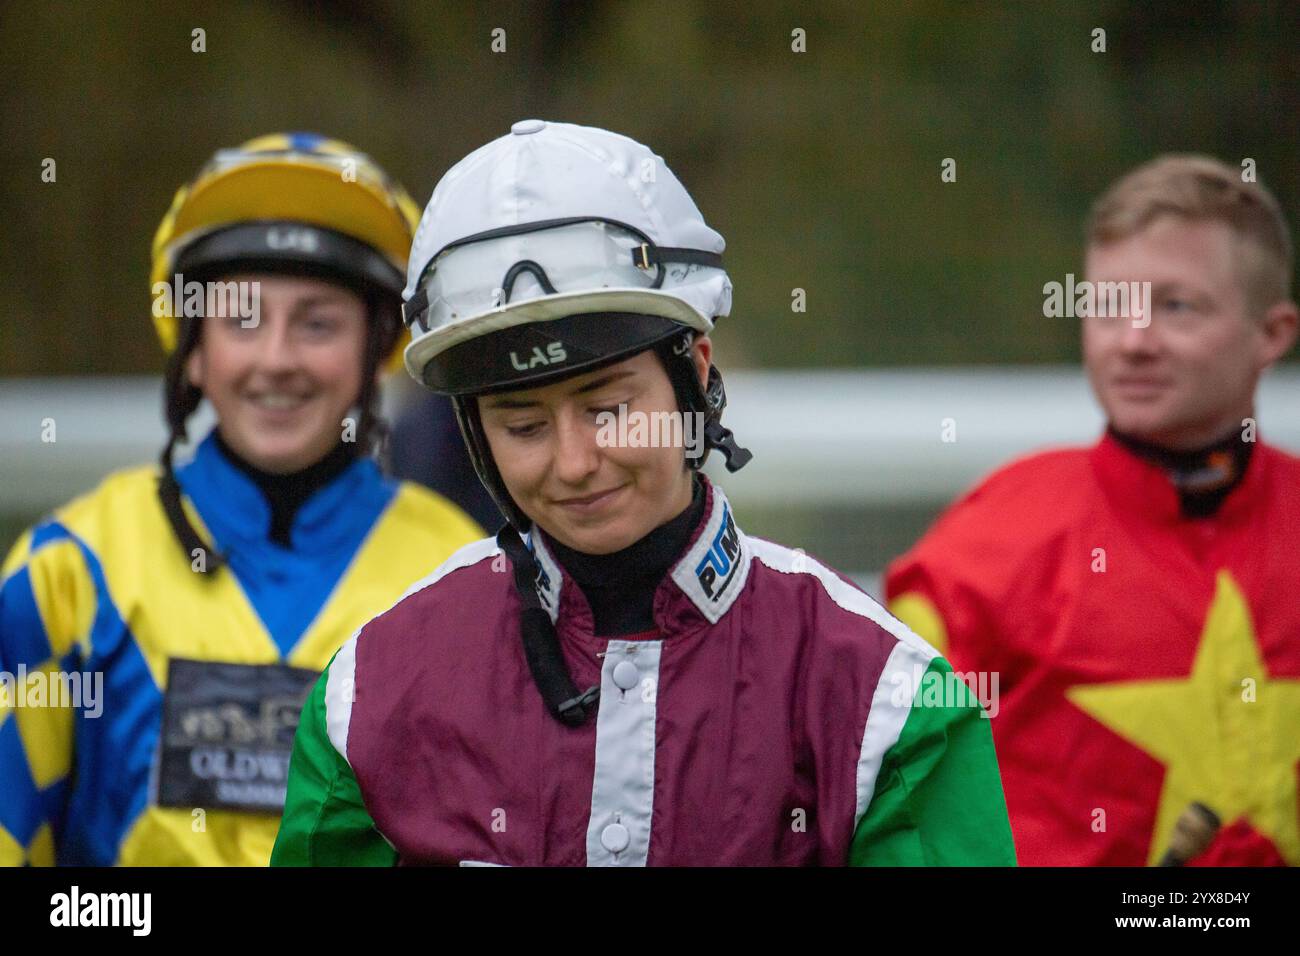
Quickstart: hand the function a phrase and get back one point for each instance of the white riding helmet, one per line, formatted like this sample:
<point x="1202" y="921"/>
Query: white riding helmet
<point x="551" y="221"/>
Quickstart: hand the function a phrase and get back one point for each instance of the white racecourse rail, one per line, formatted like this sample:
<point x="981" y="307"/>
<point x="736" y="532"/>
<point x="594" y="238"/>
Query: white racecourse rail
<point x="820" y="437"/>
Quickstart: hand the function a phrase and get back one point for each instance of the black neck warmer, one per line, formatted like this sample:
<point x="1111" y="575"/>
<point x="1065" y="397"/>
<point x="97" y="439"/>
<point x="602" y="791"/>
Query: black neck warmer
<point x="620" y="587"/>
<point x="1203" y="477"/>
<point x="286" y="493"/>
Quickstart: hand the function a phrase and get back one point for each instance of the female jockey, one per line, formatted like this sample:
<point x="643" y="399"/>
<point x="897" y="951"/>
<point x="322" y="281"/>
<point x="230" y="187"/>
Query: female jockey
<point x="623" y="676"/>
<point x="191" y="609"/>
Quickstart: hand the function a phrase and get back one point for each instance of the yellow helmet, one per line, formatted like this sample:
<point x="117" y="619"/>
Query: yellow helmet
<point x="350" y="221"/>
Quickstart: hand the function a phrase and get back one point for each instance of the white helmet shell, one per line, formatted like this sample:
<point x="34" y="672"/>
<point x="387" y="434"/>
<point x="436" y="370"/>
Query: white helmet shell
<point x="542" y="172"/>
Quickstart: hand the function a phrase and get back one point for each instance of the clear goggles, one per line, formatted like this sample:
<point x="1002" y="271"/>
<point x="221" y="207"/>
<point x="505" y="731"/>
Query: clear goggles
<point x="500" y="267"/>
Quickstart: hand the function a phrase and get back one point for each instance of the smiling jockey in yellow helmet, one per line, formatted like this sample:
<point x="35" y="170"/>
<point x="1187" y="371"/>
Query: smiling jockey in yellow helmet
<point x="174" y="619"/>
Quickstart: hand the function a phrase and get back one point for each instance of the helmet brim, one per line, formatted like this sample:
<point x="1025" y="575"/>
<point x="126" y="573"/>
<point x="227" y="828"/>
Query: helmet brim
<point x="534" y="354"/>
<point x="290" y="248"/>
<point x="430" y="350"/>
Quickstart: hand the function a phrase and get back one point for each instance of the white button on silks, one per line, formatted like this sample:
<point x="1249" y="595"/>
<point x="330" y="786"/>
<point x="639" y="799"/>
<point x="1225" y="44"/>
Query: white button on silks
<point x="626" y="675"/>
<point x="524" y="127"/>
<point x="615" y="838"/>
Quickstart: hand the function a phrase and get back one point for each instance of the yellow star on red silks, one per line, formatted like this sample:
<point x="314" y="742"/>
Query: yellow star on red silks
<point x="1228" y="733"/>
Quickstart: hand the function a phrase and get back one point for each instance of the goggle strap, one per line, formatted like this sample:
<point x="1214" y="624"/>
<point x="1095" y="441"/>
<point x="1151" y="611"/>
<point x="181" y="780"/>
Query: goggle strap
<point x="646" y="255"/>
<point x="414" y="308"/>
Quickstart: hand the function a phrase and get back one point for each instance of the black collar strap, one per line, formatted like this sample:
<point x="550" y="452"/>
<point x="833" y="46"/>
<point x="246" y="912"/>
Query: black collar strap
<point x="541" y="644"/>
<point x="1203" y="477"/>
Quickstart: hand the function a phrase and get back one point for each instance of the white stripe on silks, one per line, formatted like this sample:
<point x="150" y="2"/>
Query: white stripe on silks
<point x="622" y="790"/>
<point x="788" y="561"/>
<point x="463" y="557"/>
<point x="886" y="719"/>
<point x="340" y="690"/>
<point x="340" y="687"/>
<point x="910" y="656"/>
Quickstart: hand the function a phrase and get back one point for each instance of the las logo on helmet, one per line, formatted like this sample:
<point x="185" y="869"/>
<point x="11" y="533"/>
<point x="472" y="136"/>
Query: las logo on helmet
<point x="554" y="353"/>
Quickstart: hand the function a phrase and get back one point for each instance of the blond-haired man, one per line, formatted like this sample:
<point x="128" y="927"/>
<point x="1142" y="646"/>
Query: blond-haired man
<point x="1138" y="599"/>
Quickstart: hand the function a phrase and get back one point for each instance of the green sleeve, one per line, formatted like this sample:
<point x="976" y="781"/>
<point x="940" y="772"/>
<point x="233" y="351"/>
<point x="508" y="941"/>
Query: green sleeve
<point x="325" y="820"/>
<point x="938" y="797"/>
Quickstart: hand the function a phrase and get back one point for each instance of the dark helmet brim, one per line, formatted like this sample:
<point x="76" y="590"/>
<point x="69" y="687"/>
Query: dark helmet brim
<point x="291" y="248"/>
<point x="540" y="353"/>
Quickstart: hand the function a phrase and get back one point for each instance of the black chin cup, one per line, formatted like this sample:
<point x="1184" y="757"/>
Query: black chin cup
<point x="678" y="360"/>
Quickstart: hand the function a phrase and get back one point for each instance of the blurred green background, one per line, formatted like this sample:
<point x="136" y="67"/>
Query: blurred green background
<point x="822" y="168"/>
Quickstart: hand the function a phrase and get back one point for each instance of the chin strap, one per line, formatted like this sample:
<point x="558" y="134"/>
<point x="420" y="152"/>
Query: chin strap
<point x="169" y="494"/>
<point x="541" y="644"/>
<point x="717" y="435"/>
